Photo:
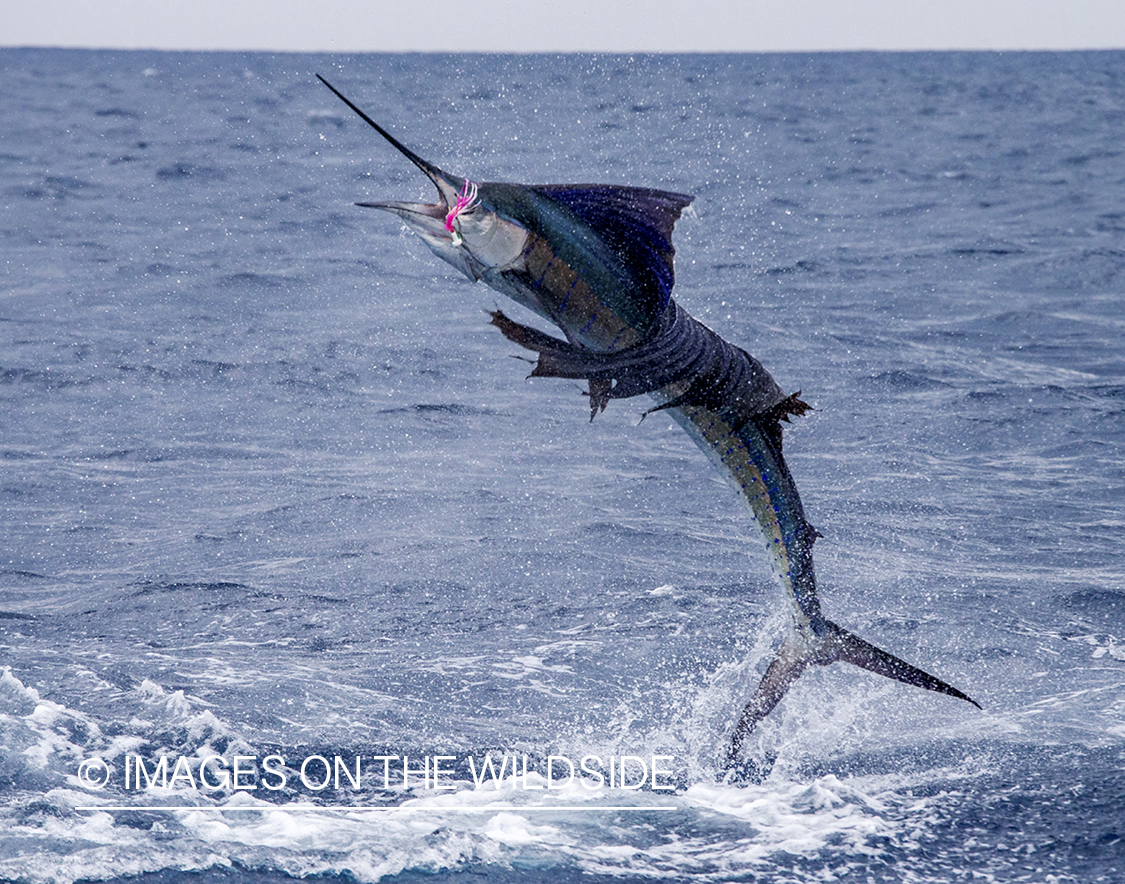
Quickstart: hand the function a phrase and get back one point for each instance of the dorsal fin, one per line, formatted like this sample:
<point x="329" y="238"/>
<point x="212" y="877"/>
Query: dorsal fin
<point x="636" y="222"/>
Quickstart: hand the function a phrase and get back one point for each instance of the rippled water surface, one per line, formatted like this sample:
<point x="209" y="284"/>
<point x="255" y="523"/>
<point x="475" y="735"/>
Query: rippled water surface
<point x="271" y="485"/>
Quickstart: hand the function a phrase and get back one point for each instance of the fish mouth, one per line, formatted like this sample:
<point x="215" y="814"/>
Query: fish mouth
<point x="424" y="217"/>
<point x="428" y="216"/>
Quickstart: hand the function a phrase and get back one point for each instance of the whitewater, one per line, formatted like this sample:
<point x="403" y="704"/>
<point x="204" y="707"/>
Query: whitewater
<point x="280" y="512"/>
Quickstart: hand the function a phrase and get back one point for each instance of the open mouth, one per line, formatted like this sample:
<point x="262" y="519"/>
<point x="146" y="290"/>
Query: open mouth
<point x="429" y="213"/>
<point x="457" y="197"/>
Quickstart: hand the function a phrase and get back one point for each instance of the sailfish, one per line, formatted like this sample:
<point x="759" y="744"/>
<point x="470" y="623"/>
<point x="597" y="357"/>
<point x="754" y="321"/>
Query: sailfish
<point x="596" y="261"/>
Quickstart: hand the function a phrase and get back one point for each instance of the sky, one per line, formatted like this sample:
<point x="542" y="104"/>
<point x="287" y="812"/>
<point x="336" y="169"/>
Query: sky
<point x="566" y="25"/>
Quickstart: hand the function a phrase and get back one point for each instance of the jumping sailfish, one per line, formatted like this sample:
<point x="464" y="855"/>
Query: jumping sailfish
<point x="596" y="261"/>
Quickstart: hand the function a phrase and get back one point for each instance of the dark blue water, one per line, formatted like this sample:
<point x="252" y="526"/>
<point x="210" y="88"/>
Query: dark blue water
<point x="270" y="484"/>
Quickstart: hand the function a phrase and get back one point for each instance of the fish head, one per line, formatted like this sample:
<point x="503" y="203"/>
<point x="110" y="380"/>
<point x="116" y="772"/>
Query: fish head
<point x="464" y="227"/>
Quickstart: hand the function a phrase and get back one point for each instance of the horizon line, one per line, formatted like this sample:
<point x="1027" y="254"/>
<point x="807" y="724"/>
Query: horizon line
<point x="575" y="51"/>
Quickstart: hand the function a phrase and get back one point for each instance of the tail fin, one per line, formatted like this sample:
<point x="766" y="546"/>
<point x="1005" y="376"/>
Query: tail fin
<point x="785" y="669"/>
<point x="852" y="649"/>
<point x="833" y="644"/>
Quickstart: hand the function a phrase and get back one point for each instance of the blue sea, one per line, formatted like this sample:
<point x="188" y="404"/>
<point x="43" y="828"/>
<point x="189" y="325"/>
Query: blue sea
<point x="292" y="551"/>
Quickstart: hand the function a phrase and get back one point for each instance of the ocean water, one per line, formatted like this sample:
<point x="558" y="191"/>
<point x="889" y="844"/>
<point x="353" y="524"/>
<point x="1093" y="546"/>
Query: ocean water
<point x="271" y="486"/>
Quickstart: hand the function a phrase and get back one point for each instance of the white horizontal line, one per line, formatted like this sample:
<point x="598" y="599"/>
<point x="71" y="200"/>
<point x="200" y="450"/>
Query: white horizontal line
<point x="331" y="807"/>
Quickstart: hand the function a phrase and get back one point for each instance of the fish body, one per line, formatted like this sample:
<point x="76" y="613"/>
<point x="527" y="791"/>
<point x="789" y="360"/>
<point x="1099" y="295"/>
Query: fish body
<point x="597" y="262"/>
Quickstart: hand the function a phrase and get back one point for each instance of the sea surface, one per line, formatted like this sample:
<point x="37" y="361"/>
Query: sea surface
<point x="270" y="485"/>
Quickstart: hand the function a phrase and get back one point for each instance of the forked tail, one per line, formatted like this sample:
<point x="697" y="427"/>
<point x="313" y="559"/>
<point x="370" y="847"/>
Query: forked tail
<point x="833" y="644"/>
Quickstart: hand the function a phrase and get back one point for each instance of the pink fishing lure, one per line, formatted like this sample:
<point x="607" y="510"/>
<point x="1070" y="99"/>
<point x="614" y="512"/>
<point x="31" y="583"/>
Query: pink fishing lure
<point x="466" y="202"/>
